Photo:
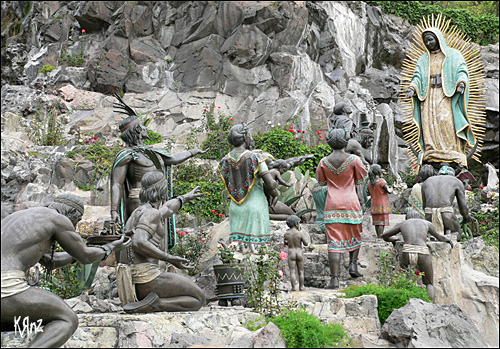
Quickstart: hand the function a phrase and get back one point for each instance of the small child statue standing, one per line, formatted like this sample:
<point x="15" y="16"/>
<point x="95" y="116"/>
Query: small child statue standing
<point x="294" y="238"/>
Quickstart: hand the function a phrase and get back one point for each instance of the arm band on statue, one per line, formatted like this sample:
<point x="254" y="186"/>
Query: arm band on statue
<point x="146" y="227"/>
<point x="106" y="249"/>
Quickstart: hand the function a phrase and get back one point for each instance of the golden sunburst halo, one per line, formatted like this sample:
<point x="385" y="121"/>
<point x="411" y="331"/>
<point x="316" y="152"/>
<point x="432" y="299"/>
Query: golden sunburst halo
<point x="476" y="107"/>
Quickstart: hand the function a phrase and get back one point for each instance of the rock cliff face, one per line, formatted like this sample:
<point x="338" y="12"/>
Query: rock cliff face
<point x="259" y="61"/>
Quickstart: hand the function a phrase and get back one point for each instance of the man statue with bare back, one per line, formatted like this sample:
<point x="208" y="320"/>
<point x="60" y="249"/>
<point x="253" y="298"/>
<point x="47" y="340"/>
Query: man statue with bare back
<point x="29" y="236"/>
<point x="415" y="252"/>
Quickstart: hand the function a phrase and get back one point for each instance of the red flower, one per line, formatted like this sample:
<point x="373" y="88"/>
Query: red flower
<point x="417" y="273"/>
<point x="482" y="187"/>
<point x="181" y="233"/>
<point x="88" y="141"/>
<point x="313" y="145"/>
<point x="401" y="272"/>
<point x="298" y="131"/>
<point x="203" y="240"/>
<point x="218" y="107"/>
<point x="205" y="109"/>
<point x="303" y="131"/>
<point x="221" y="214"/>
<point x="214" y="211"/>
<point x="122" y="144"/>
<point x="95" y="137"/>
<point x="291" y="127"/>
<point x="469" y="189"/>
<point x="231" y="119"/>
<point x="318" y="132"/>
<point x="83" y="30"/>
<point x="301" y="136"/>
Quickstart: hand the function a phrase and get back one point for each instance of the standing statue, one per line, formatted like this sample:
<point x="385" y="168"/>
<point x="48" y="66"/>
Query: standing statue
<point x="343" y="216"/>
<point x="443" y="98"/>
<point x="245" y="176"/>
<point x="380" y="199"/>
<point x="133" y="162"/>
<point x="142" y="287"/>
<point x="29" y="236"/>
<point x="294" y="238"/>
<point x="415" y="252"/>
<point x="438" y="194"/>
<point x="341" y="119"/>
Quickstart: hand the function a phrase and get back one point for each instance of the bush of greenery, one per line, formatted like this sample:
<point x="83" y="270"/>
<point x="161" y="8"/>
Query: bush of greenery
<point x="192" y="246"/>
<point x="47" y="68"/>
<point x="485" y="211"/>
<point x="303" y="330"/>
<point x="100" y="152"/>
<point x="210" y="207"/>
<point x="217" y="128"/>
<point x="482" y="29"/>
<point x="395" y="287"/>
<point x="47" y="126"/>
<point x="389" y="298"/>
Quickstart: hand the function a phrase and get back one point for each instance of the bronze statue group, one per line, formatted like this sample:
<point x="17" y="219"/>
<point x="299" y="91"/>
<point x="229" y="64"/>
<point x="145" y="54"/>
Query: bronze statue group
<point x="142" y="202"/>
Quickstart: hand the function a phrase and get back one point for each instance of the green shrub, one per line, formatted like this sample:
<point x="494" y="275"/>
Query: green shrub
<point x="72" y="60"/>
<point x="153" y="138"/>
<point x="210" y="207"/>
<point x="192" y="246"/>
<point x="217" y="128"/>
<point x="47" y="68"/>
<point x="482" y="29"/>
<point x="303" y="330"/>
<point x="47" y="126"/>
<point x="389" y="298"/>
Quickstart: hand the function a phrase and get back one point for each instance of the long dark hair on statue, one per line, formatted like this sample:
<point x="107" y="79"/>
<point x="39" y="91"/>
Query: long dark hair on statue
<point x="375" y="172"/>
<point x="154" y="187"/>
<point x="131" y="135"/>
<point x="337" y="138"/>
<point x="68" y="205"/>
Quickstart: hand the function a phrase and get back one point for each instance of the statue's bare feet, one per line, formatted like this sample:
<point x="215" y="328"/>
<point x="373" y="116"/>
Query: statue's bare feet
<point x="302" y="288"/>
<point x="295" y="288"/>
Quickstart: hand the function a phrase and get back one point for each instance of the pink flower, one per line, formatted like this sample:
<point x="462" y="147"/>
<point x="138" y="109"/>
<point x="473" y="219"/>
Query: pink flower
<point x="282" y="255"/>
<point x="203" y="240"/>
<point x="280" y="273"/>
<point x="221" y="215"/>
<point x="181" y="233"/>
<point x="218" y="107"/>
<point x="205" y="109"/>
<point x="214" y="211"/>
<point x="83" y="30"/>
<point x="318" y="132"/>
<point x="313" y="145"/>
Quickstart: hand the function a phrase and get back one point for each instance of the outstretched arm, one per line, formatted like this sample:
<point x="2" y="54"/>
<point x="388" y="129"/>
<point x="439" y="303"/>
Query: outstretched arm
<point x="175" y="204"/>
<point x="73" y="243"/>
<point x="433" y="231"/>
<point x="389" y="234"/>
<point x="183" y="156"/>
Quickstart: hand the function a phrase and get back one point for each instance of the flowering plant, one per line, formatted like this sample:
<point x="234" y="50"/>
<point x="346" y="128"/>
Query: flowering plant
<point x="226" y="253"/>
<point x="192" y="246"/>
<point x="264" y="273"/>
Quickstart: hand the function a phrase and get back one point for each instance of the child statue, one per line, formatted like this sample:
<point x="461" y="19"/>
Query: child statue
<point x="415" y="252"/>
<point x="294" y="238"/>
<point x="380" y="199"/>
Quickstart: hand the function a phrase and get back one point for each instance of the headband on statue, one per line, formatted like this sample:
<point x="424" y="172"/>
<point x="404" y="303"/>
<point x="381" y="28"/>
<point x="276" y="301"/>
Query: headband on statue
<point x="130" y="124"/>
<point x="154" y="184"/>
<point x="447" y="170"/>
<point x="69" y="203"/>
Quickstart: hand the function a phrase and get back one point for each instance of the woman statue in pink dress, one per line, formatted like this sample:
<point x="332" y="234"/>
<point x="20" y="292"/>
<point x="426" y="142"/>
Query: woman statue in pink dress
<point x="343" y="216"/>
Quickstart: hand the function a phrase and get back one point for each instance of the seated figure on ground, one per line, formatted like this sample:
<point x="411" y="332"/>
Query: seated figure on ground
<point x="415" y="253"/>
<point x="30" y="236"/>
<point x="294" y="238"/>
<point x="438" y="193"/>
<point x="142" y="287"/>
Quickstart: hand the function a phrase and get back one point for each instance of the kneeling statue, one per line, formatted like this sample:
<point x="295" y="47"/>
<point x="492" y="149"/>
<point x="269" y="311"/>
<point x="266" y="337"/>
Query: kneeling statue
<point x="142" y="287"/>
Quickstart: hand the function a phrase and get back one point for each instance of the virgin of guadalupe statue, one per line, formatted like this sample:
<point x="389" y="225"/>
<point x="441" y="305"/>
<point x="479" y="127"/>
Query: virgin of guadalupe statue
<point x="441" y="81"/>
